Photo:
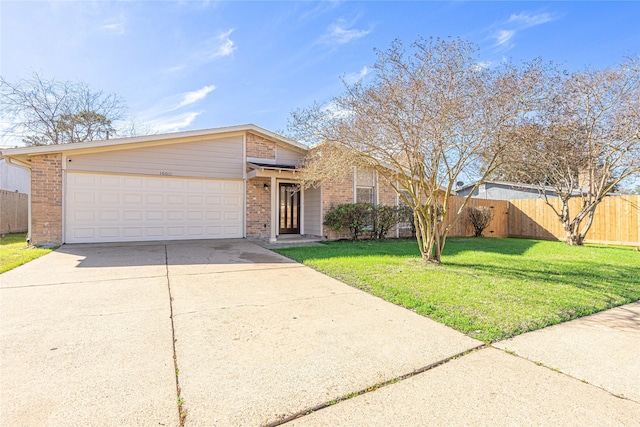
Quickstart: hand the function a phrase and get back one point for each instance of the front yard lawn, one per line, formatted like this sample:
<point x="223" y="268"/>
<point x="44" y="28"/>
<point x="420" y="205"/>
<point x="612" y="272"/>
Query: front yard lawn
<point x="15" y="252"/>
<point x="487" y="288"/>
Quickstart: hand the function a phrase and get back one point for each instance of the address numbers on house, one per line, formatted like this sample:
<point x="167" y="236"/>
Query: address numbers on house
<point x="164" y="173"/>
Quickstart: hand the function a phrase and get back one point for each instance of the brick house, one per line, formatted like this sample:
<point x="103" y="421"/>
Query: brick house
<point x="229" y="182"/>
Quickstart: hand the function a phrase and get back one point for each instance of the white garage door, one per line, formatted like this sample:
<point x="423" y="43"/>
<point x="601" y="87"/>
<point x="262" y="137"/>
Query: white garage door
<point x="117" y="208"/>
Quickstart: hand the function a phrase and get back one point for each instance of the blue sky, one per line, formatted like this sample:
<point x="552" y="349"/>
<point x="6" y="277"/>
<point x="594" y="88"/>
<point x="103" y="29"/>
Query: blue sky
<point x="184" y="65"/>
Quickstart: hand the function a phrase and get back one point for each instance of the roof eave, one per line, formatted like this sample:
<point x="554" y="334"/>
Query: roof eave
<point x="47" y="149"/>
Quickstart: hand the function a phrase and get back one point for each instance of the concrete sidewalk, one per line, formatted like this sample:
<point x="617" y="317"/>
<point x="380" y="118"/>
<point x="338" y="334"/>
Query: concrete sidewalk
<point x="602" y="349"/>
<point x="86" y="338"/>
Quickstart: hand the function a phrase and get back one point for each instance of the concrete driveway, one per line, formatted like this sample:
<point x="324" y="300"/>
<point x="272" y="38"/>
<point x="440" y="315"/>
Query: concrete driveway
<point x="238" y="335"/>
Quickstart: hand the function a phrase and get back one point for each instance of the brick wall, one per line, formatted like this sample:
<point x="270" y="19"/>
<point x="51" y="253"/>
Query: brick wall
<point x="336" y="193"/>
<point x="46" y="200"/>
<point x="258" y="208"/>
<point x="260" y="147"/>
<point x="386" y="193"/>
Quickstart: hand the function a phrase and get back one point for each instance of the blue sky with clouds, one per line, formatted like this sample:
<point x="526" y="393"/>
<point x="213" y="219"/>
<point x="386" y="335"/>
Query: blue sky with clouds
<point x="190" y="64"/>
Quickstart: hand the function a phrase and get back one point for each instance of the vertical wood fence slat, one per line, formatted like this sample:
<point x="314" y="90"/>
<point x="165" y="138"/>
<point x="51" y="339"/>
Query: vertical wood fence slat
<point x="13" y="212"/>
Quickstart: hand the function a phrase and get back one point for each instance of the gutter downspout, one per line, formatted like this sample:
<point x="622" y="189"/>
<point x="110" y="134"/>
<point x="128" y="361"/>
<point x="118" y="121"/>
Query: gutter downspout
<point x="22" y="165"/>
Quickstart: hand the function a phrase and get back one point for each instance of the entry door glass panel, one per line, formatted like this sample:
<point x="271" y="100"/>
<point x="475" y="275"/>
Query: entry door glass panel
<point x="289" y="209"/>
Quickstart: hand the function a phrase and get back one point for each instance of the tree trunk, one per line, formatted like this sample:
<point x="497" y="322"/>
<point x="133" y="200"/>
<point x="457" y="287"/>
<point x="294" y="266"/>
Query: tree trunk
<point x="426" y="235"/>
<point x="574" y="238"/>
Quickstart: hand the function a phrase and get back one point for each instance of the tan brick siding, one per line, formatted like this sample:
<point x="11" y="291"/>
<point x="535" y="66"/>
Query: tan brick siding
<point x="260" y="147"/>
<point x="386" y="193"/>
<point x="258" y="208"/>
<point x="342" y="192"/>
<point x="14" y="212"/>
<point x="336" y="193"/>
<point x="46" y="200"/>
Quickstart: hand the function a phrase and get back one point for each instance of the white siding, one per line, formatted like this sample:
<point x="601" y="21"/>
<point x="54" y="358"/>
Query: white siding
<point x="313" y="212"/>
<point x="13" y="178"/>
<point x="287" y="157"/>
<point x="215" y="158"/>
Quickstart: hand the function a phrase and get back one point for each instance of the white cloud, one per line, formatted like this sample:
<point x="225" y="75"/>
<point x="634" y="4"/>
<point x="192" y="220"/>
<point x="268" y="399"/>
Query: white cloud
<point x="503" y="36"/>
<point x="215" y="48"/>
<point x="195" y="96"/>
<point x="352" y="78"/>
<point x="340" y="33"/>
<point x="116" y="28"/>
<point x="482" y="65"/>
<point x="526" y="20"/>
<point x="162" y="117"/>
<point x="336" y="111"/>
<point x="218" y="47"/>
<point x="516" y="23"/>
<point x="173" y="123"/>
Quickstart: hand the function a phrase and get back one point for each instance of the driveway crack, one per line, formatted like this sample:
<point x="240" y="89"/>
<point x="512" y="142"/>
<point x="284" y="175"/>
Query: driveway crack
<point x="372" y="388"/>
<point x="182" y="412"/>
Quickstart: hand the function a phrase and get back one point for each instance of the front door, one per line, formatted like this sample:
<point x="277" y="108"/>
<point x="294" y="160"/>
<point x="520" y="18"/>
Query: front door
<point x="289" y="208"/>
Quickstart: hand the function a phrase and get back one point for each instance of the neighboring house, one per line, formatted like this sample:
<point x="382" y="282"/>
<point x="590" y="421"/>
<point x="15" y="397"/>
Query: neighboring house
<point x="497" y="190"/>
<point x="230" y="182"/>
<point x="12" y="178"/>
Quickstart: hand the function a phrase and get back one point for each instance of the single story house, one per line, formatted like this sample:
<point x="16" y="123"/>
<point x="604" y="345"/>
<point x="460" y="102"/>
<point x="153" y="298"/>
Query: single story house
<point x="499" y="190"/>
<point x="229" y="182"/>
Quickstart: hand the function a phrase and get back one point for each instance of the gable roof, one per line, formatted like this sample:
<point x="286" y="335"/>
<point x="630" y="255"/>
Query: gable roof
<point x="22" y="153"/>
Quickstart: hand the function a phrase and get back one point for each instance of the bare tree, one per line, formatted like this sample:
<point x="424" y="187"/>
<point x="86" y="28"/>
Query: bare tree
<point x="581" y="143"/>
<point x="46" y="112"/>
<point x="480" y="218"/>
<point x="424" y="119"/>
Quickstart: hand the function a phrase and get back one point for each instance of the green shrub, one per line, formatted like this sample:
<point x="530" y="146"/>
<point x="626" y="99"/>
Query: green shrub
<point x="360" y="218"/>
<point x="384" y="218"/>
<point x="353" y="216"/>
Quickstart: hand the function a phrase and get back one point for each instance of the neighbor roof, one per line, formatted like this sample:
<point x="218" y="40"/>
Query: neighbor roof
<point x="504" y="183"/>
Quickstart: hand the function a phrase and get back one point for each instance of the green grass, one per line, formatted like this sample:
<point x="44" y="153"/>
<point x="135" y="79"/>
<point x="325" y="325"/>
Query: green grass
<point x="15" y="252"/>
<point x="489" y="288"/>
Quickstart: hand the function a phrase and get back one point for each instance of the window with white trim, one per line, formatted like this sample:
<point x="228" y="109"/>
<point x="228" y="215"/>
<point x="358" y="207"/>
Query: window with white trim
<point x="365" y="185"/>
<point x="364" y="194"/>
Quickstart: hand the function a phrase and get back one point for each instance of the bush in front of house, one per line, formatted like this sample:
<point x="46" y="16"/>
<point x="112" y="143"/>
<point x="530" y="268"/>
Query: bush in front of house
<point x="480" y="218"/>
<point x="364" y="218"/>
<point x="352" y="216"/>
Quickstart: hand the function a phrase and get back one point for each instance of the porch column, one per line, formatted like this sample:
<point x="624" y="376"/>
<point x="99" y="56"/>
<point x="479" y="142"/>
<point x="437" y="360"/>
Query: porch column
<point x="274" y="210"/>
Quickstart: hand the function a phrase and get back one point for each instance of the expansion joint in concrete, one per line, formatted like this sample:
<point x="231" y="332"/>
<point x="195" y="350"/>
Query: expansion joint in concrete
<point x="373" y="387"/>
<point x="179" y="400"/>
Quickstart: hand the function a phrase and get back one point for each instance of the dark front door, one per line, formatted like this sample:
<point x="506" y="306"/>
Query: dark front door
<point x="289" y="208"/>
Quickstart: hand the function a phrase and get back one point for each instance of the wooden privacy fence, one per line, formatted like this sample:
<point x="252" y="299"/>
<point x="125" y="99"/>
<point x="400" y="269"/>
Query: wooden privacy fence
<point x="13" y="212"/>
<point x="616" y="221"/>
<point x="499" y="226"/>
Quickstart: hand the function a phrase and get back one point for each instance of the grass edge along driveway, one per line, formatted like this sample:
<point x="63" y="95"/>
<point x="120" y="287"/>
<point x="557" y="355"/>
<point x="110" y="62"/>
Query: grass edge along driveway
<point x="487" y="288"/>
<point x="14" y="251"/>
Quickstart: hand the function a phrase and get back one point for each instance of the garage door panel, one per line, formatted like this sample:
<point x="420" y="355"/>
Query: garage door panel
<point x="112" y="208"/>
<point x="108" y="198"/>
<point x="108" y="233"/>
<point x="175" y="200"/>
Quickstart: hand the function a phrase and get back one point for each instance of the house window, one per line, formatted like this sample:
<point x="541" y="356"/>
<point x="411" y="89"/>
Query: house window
<point x="365" y="183"/>
<point x="364" y="195"/>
